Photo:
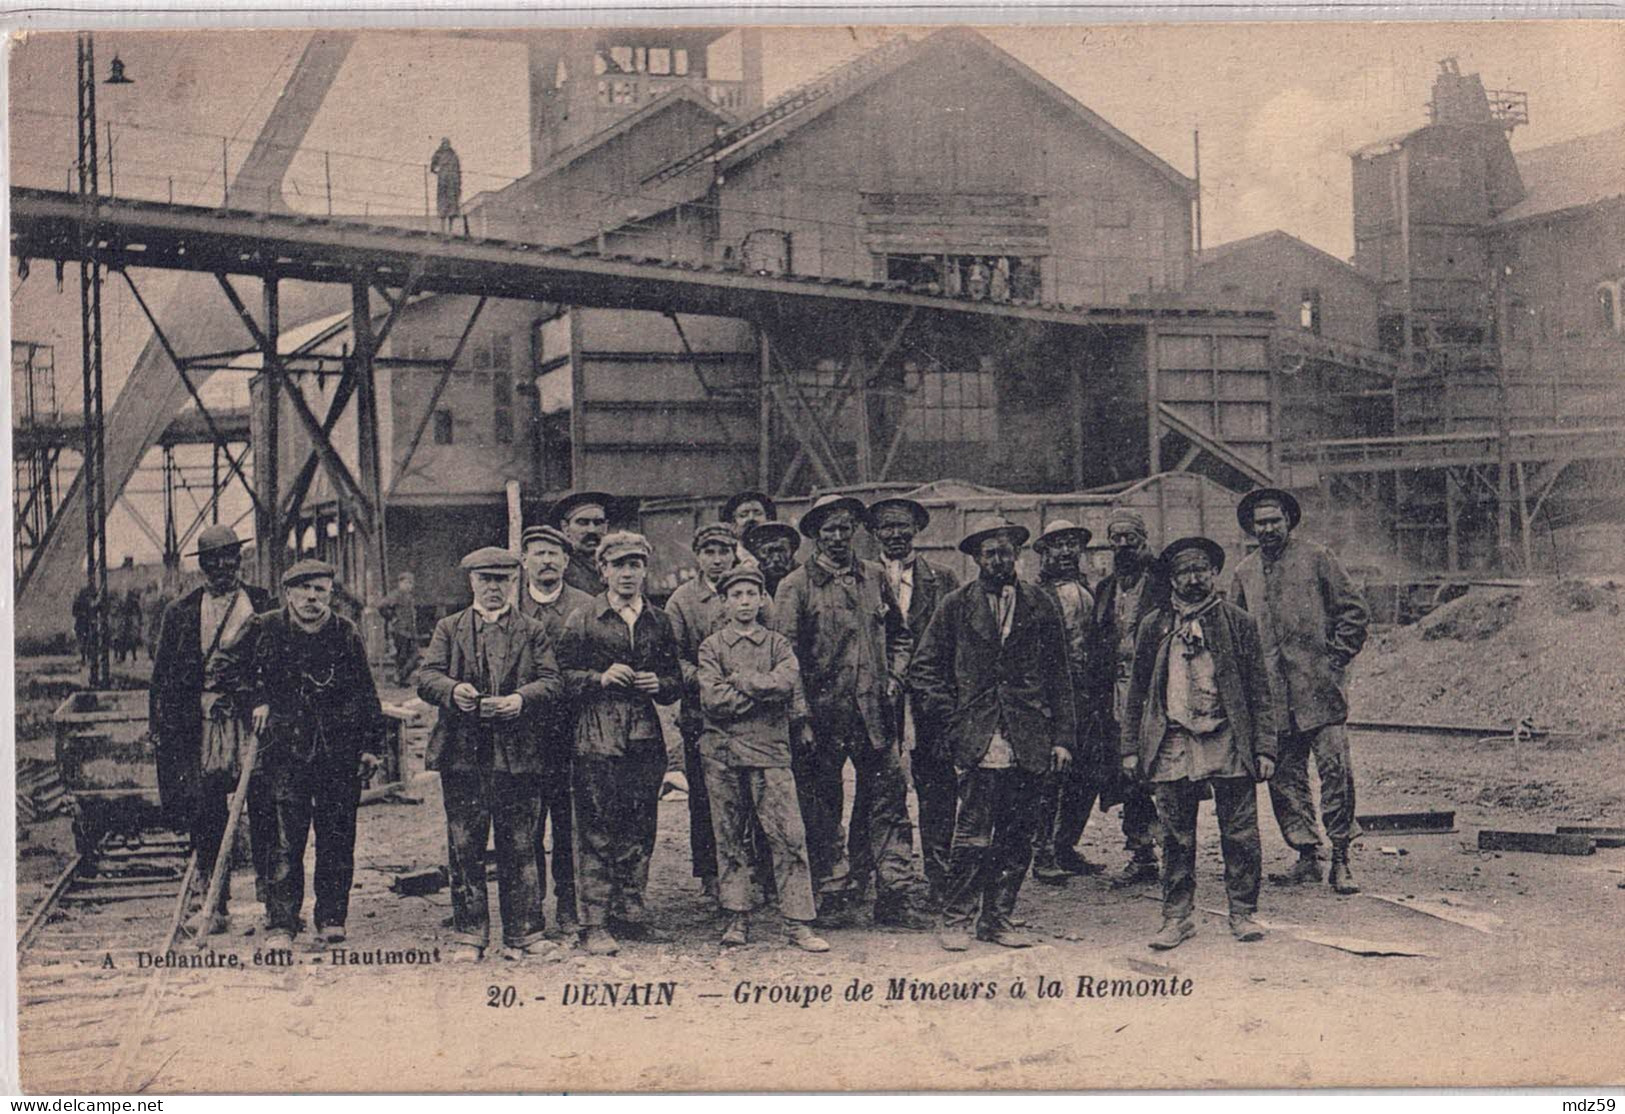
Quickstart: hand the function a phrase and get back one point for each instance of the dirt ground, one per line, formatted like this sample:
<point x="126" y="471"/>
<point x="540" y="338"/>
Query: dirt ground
<point x="1532" y="992"/>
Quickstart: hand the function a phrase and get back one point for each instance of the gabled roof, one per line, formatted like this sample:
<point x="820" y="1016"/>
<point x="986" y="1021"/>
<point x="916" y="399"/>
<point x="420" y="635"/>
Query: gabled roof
<point x="1567" y="175"/>
<point x="1276" y="236"/>
<point x="938" y="40"/>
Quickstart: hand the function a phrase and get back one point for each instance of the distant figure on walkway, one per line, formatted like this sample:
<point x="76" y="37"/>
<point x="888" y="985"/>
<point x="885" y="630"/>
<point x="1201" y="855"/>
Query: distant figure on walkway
<point x="448" y="172"/>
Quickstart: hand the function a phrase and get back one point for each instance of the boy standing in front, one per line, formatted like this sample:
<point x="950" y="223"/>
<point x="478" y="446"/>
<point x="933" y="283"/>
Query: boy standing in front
<point x="750" y="692"/>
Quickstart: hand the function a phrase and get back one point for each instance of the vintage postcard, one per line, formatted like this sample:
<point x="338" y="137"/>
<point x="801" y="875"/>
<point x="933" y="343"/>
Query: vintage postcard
<point x="705" y="557"/>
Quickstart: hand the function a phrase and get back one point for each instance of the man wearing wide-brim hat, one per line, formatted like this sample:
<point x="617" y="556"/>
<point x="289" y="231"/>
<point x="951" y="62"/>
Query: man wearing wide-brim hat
<point x="993" y="668"/>
<point x="1312" y="620"/>
<point x="773" y="546"/>
<point x="853" y="646"/>
<point x="193" y="629"/>
<point x="583" y="516"/>
<point x="919" y="585"/>
<point x="1200" y="719"/>
<point x="491" y="672"/>
<point x="319" y="722"/>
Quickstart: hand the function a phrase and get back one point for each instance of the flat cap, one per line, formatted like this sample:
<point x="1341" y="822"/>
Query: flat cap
<point x="741" y="574"/>
<point x="490" y="558"/>
<point x="308" y="569"/>
<point x="544" y="533"/>
<point x="622" y="543"/>
<point x="1213" y="550"/>
<point x="714" y="532"/>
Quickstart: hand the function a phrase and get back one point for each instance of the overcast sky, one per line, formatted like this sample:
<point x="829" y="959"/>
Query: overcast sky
<point x="1280" y="106"/>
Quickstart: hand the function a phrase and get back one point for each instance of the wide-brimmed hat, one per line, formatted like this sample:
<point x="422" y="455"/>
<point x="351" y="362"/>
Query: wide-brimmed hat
<point x="1284" y="499"/>
<point x="921" y="516"/>
<point x="1214" y="551"/>
<point x="828" y="505"/>
<point x="766" y="531"/>
<point x="308" y="569"/>
<point x="971" y="544"/>
<point x="1059" y="527"/>
<point x="216" y="537"/>
<point x="738" y="498"/>
<point x="561" y="509"/>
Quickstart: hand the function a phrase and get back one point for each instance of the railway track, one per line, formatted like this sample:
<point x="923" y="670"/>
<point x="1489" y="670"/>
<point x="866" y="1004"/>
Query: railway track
<point x="84" y="996"/>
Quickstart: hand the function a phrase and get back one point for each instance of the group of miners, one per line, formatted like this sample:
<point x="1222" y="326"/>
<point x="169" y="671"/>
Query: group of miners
<point x="1015" y="707"/>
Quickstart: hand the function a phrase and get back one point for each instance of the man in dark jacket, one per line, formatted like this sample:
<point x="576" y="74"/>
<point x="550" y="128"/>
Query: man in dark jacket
<point x="400" y="611"/>
<point x="316" y="711"/>
<point x="583" y="516"/>
<point x="853" y="646"/>
<point x="1200" y="717"/>
<point x="193" y="629"/>
<point x="993" y="666"/>
<point x="1135" y="587"/>
<point x="773" y="545"/>
<point x="918" y="586"/>
<point x="547" y="599"/>
<point x="619" y="660"/>
<point x="491" y="672"/>
<point x="1312" y="621"/>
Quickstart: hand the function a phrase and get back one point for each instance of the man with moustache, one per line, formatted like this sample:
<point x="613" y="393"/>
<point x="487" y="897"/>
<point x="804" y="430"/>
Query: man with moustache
<point x="583" y="516"/>
<point x="1135" y="587"/>
<point x="918" y="586"/>
<point x="1200" y="720"/>
<point x="548" y="600"/>
<point x="193" y="630"/>
<point x="774" y="546"/>
<point x="619" y="660"/>
<point x="993" y="664"/>
<point x="319" y="723"/>
<point x="1068" y="794"/>
<point x="1312" y="621"/>
<point x="853" y="646"/>
<point x="491" y="672"/>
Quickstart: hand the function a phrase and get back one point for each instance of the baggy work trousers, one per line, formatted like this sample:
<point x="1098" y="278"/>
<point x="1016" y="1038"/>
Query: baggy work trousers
<point x="616" y="798"/>
<point x="323" y="791"/>
<point x="993" y="846"/>
<point x="1290" y="796"/>
<point x="890" y="836"/>
<point x="478" y="801"/>
<point x="556" y="805"/>
<point x="1235" y="801"/>
<point x="936" y="790"/>
<point x="702" y="847"/>
<point x="742" y="796"/>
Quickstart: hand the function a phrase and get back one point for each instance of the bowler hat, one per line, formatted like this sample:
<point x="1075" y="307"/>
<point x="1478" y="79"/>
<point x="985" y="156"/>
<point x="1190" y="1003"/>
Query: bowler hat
<point x="562" y="509"/>
<point x="1284" y="499"/>
<point x="766" y="531"/>
<point x="308" y="569"/>
<point x="828" y="505"/>
<point x="1214" y="551"/>
<point x="490" y="558"/>
<point x="971" y="544"/>
<point x="1062" y="526"/>
<point x="741" y="497"/>
<point x="215" y="537"/>
<point x="921" y="516"/>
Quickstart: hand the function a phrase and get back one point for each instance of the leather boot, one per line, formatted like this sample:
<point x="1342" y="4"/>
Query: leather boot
<point x="1140" y="869"/>
<point x="1306" y="869"/>
<point x="737" y="934"/>
<point x="1341" y="878"/>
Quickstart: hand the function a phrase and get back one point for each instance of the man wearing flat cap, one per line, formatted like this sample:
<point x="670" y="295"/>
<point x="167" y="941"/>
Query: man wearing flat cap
<point x="853" y="644"/>
<point x="583" y="516"/>
<point x="548" y="600"/>
<point x="193" y="629"/>
<point x="1200" y="718"/>
<point x="919" y="586"/>
<point x="1069" y="795"/>
<point x="993" y="666"/>
<point x="773" y="545"/>
<point x="1134" y="588"/>
<point x="491" y="672"/>
<point x="1312" y="620"/>
<point x="619" y="660"/>
<point x="319" y="723"/>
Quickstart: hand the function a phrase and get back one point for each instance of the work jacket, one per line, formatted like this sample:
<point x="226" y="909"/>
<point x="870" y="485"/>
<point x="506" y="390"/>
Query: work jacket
<point x="1312" y="621"/>
<point x="972" y="683"/>
<point x="318" y="687"/>
<point x="175" y="699"/>
<point x="851" y="640"/>
<point x="582" y="575"/>
<point x="750" y="691"/>
<point x="697" y="611"/>
<point x="558" y="722"/>
<point x="519" y="659"/>
<point x="611" y="722"/>
<point x="932" y="584"/>
<point x="1239" y="673"/>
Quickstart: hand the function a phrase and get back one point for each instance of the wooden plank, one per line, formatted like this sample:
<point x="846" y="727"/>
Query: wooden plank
<point x="1543" y="843"/>
<point x="1605" y="835"/>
